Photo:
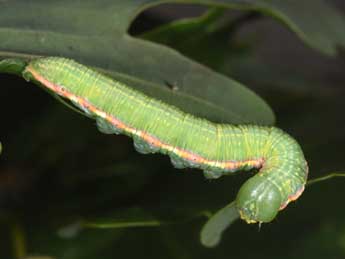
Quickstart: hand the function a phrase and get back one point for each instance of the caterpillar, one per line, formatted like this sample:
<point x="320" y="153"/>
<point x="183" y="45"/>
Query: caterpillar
<point x="217" y="149"/>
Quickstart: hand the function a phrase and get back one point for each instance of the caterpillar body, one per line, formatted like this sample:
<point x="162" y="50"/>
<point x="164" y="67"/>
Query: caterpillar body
<point x="217" y="149"/>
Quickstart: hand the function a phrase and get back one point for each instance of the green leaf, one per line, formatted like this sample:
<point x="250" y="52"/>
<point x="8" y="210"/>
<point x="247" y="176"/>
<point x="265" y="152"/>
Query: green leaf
<point x="212" y="231"/>
<point x="324" y="33"/>
<point x="210" y="33"/>
<point x="95" y="34"/>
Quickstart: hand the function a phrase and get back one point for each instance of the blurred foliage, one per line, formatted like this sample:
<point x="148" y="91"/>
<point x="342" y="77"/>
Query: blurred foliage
<point x="67" y="191"/>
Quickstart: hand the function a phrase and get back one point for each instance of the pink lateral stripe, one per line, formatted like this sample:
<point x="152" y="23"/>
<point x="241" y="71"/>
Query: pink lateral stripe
<point x="295" y="196"/>
<point x="187" y="155"/>
<point x="292" y="197"/>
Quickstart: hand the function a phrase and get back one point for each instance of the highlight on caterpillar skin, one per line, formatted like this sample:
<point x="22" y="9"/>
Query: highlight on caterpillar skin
<point x="217" y="149"/>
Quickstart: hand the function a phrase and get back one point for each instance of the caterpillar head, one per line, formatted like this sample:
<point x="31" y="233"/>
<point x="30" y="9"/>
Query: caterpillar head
<point x="258" y="200"/>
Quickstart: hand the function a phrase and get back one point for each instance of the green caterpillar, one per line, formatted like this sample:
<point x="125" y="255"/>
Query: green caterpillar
<point x="217" y="149"/>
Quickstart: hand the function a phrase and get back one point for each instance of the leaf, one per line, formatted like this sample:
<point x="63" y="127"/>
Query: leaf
<point x="324" y="34"/>
<point x="212" y="231"/>
<point x="94" y="33"/>
<point x="210" y="33"/>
